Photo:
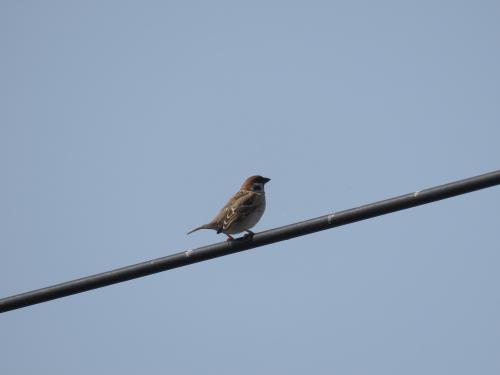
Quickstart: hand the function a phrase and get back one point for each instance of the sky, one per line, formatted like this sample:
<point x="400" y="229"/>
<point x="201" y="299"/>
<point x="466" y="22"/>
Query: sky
<point x="124" y="124"/>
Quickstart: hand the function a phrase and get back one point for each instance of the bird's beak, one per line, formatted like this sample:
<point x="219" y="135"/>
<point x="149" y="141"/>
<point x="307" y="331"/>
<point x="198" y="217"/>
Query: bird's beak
<point x="266" y="180"/>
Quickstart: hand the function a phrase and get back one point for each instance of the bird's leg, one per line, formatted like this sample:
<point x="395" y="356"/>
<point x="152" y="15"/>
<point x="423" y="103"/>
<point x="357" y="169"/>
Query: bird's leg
<point x="229" y="238"/>
<point x="249" y="234"/>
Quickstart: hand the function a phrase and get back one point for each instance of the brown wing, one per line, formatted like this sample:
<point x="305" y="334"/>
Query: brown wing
<point x="240" y="204"/>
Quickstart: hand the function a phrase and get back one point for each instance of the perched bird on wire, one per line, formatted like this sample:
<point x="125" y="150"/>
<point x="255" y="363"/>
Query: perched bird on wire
<point x="243" y="210"/>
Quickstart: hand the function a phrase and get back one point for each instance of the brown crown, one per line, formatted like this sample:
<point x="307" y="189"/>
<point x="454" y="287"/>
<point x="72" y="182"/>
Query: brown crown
<point x="247" y="184"/>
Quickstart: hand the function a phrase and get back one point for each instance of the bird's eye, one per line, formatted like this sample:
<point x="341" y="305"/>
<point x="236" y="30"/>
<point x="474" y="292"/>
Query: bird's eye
<point x="256" y="187"/>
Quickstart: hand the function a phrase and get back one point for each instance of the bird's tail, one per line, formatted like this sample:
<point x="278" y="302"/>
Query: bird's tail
<point x="204" y="226"/>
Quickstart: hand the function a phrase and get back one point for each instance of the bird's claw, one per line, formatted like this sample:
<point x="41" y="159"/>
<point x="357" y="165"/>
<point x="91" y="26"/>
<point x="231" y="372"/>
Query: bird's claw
<point x="249" y="235"/>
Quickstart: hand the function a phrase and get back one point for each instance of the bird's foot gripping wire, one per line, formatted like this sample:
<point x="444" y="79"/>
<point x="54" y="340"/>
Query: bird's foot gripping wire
<point x="249" y="234"/>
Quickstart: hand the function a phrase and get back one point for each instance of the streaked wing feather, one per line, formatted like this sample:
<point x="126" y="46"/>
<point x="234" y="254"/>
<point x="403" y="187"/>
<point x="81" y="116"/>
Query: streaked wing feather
<point x="244" y="203"/>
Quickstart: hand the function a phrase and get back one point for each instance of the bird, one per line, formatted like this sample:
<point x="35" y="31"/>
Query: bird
<point x="243" y="210"/>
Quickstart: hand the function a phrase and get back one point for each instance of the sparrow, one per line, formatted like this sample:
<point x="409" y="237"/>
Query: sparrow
<point x="243" y="210"/>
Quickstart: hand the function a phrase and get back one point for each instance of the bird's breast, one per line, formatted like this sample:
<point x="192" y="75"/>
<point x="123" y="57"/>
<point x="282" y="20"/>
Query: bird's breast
<point x="251" y="219"/>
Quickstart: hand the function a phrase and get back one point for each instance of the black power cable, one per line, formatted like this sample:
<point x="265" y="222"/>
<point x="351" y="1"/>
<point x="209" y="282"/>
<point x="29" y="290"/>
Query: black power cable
<point x="260" y="239"/>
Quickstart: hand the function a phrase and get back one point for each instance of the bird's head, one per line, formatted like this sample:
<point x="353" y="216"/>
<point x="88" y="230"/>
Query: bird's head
<point x="255" y="183"/>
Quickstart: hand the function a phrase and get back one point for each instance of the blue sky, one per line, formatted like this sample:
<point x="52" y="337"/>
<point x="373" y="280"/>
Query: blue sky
<point x="125" y="124"/>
